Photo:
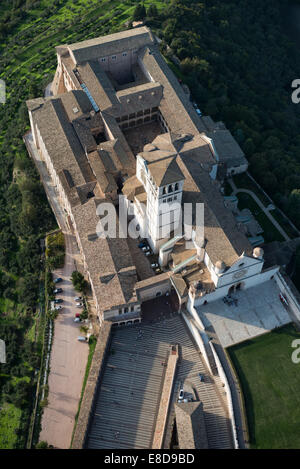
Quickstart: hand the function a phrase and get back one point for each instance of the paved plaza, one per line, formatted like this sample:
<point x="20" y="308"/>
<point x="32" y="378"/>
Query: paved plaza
<point x="258" y="310"/>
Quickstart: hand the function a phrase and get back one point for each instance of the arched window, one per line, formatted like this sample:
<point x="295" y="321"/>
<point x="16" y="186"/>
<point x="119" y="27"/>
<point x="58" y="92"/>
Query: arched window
<point x="176" y="186"/>
<point x="170" y="189"/>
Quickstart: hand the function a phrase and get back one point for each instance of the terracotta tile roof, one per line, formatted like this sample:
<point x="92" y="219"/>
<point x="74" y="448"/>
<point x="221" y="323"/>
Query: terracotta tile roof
<point x="107" y="45"/>
<point x="113" y="276"/>
<point x="165" y="171"/>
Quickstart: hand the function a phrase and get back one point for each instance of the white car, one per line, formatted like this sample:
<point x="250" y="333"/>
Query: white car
<point x="77" y="320"/>
<point x="146" y="248"/>
<point x="154" y="265"/>
<point x="78" y="298"/>
<point x="81" y="338"/>
<point x="57" y="308"/>
<point x="79" y="305"/>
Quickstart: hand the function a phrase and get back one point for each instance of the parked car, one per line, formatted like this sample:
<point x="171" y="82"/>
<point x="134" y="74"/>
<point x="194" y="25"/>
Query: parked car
<point x="77" y="315"/>
<point x="181" y="394"/>
<point x="167" y="293"/>
<point x="78" y="298"/>
<point x="142" y="244"/>
<point x="57" y="280"/>
<point x="81" y="338"/>
<point x="158" y="270"/>
<point x="57" y="308"/>
<point x="146" y="248"/>
<point x="57" y="290"/>
<point x="154" y="265"/>
<point x="148" y="253"/>
<point x="199" y="112"/>
<point x="58" y="300"/>
<point x="79" y="305"/>
<point x="77" y="320"/>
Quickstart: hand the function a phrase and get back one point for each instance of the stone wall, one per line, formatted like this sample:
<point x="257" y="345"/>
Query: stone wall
<point x="91" y="387"/>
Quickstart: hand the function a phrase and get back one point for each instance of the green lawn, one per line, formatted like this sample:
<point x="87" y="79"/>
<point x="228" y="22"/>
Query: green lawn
<point x="242" y="181"/>
<point x="270" y="232"/>
<point x="270" y="383"/>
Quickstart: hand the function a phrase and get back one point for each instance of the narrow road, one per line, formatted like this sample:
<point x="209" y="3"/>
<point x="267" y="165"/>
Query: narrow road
<point x="261" y="205"/>
<point x="68" y="362"/>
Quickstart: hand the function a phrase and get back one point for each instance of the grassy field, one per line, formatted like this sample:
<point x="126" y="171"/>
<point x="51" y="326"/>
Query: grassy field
<point x="270" y="382"/>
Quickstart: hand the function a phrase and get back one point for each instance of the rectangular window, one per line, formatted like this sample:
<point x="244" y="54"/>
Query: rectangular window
<point x="113" y="57"/>
<point x="102" y="60"/>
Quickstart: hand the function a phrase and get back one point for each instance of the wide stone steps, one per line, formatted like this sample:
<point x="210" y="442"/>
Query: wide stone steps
<point x="129" y="395"/>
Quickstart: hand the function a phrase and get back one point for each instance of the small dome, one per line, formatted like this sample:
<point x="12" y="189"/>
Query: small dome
<point x="258" y="252"/>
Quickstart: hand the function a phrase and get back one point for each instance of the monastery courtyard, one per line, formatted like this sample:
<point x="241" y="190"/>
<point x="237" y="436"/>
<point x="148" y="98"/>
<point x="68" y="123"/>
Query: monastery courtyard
<point x="258" y="310"/>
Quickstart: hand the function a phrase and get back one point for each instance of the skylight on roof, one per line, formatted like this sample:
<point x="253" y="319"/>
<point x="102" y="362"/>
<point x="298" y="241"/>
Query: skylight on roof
<point x="92" y="101"/>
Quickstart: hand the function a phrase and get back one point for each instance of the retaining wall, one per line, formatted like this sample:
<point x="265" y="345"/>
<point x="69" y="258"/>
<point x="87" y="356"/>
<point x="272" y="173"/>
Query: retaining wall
<point x="92" y="385"/>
